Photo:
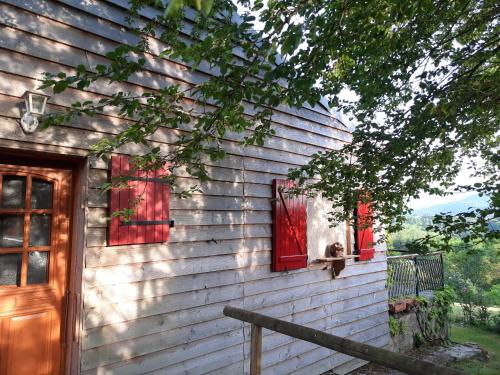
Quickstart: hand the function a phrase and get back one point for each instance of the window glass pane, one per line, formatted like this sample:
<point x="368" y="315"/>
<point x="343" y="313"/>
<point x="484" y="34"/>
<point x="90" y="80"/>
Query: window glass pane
<point x="10" y="269"/>
<point x="40" y="230"/>
<point x="13" y="191"/>
<point x="41" y="194"/>
<point x="38" y="265"/>
<point x="11" y="230"/>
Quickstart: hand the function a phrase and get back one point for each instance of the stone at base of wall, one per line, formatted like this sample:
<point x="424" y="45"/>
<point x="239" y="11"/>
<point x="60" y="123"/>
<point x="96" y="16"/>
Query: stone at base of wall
<point x="405" y="341"/>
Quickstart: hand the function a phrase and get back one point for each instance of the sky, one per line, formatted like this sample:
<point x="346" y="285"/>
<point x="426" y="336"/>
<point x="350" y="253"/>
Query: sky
<point x="427" y="200"/>
<point x="463" y="178"/>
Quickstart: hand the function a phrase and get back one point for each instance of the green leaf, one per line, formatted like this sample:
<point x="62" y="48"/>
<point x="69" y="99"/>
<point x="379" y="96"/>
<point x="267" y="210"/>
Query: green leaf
<point x="206" y="6"/>
<point x="174" y="7"/>
<point x="60" y="86"/>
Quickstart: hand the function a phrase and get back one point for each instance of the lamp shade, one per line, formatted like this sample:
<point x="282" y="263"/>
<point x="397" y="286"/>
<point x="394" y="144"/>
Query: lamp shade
<point x="35" y="102"/>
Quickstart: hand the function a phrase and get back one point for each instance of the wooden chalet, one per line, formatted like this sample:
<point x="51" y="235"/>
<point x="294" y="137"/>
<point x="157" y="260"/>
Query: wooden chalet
<point x="83" y="294"/>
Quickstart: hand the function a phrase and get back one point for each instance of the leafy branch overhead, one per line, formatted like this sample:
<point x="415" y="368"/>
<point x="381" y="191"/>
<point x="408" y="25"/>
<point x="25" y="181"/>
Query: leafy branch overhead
<point x="422" y="78"/>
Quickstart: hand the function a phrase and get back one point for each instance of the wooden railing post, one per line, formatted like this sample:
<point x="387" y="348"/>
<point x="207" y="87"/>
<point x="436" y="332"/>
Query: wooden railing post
<point x="255" y="350"/>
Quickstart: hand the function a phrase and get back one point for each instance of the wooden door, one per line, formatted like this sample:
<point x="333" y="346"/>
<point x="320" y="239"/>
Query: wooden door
<point x="34" y="231"/>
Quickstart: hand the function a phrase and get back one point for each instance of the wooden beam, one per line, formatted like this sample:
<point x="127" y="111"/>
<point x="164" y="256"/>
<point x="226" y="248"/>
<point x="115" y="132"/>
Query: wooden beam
<point x="329" y="259"/>
<point x="256" y="350"/>
<point x="370" y="353"/>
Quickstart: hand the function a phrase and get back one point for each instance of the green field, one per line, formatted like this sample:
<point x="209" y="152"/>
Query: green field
<point x="487" y="340"/>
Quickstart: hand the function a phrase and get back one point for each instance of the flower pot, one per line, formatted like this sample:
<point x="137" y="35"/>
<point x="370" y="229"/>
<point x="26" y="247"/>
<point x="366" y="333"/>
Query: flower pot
<point x="397" y="307"/>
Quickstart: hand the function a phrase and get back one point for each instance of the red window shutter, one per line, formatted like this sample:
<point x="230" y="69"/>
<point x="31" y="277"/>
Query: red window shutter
<point x="150" y="221"/>
<point x="364" y="231"/>
<point x="289" y="228"/>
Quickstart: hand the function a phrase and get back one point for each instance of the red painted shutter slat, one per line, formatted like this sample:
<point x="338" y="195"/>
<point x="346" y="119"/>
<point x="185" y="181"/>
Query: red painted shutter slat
<point x="364" y="231"/>
<point x="291" y="258"/>
<point x="152" y="205"/>
<point x="158" y="209"/>
<point x="303" y="222"/>
<point x="165" y="207"/>
<point x="134" y="195"/>
<point x="150" y="208"/>
<point x="289" y="228"/>
<point x="114" y="204"/>
<point x="123" y="230"/>
<point x="165" y="228"/>
<point x="141" y="208"/>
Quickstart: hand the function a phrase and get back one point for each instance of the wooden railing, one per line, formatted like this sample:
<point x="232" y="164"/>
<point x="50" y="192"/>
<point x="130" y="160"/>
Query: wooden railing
<point x="366" y="352"/>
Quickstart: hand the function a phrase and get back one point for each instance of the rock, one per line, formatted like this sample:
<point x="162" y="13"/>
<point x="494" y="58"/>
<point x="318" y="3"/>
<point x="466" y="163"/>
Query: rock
<point x="443" y="356"/>
<point x="457" y="352"/>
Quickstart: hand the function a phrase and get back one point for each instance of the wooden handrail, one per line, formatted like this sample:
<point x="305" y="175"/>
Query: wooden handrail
<point x="370" y="353"/>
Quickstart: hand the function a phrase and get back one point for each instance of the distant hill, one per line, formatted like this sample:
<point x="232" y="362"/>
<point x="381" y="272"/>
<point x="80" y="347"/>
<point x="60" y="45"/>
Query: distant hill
<point x="455" y="207"/>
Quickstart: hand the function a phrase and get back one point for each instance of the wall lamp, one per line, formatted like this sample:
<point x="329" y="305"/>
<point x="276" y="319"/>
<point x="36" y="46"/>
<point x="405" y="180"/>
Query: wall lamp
<point x="35" y="103"/>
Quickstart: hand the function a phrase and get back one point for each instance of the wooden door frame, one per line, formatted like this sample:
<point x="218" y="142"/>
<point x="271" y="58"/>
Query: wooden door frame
<point x="72" y="326"/>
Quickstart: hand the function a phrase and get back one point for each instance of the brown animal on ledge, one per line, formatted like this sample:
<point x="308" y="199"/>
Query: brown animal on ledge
<point x="336" y="250"/>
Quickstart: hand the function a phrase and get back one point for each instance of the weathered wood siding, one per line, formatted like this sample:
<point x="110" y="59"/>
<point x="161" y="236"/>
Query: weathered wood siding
<point x="157" y="308"/>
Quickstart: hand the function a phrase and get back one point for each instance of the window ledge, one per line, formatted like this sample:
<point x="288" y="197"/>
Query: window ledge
<point x="338" y="263"/>
<point x="329" y="259"/>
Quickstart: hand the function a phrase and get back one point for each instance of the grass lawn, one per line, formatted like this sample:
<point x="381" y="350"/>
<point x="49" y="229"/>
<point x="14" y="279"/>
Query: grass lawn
<point x="487" y="340"/>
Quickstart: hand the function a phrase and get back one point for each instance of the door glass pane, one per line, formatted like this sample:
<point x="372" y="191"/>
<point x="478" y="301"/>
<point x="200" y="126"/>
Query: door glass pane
<point x="40" y="230"/>
<point x="10" y="269"/>
<point x="13" y="192"/>
<point x="38" y="265"/>
<point x="41" y="194"/>
<point x="11" y="230"/>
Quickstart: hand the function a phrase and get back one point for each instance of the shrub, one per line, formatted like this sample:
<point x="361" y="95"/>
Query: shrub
<point x="494" y="295"/>
<point x="495" y="324"/>
<point x="397" y="327"/>
<point x="473" y="275"/>
<point x="418" y="340"/>
<point x="433" y="316"/>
